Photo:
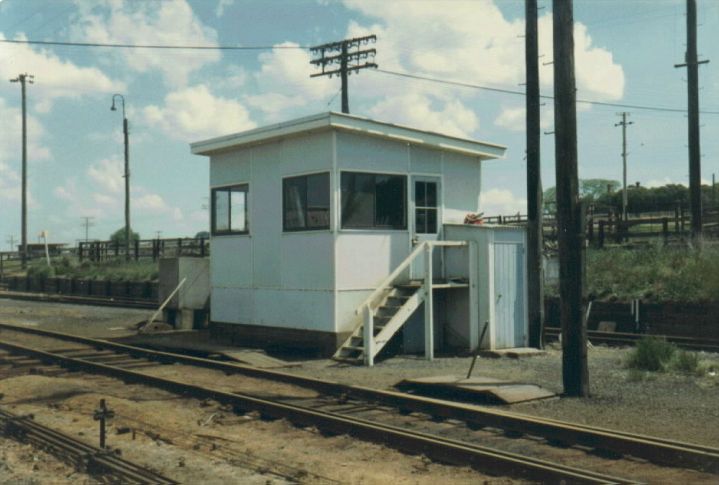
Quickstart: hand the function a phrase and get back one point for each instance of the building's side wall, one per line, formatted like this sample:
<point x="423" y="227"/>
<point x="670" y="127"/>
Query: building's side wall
<point x="269" y="278"/>
<point x="365" y="257"/>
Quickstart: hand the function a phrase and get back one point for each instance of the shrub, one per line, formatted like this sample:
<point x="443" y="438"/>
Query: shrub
<point x="686" y="362"/>
<point x="40" y="271"/>
<point x="651" y="354"/>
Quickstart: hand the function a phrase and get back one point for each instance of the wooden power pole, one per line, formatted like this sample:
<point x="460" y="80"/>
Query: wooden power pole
<point x="535" y="270"/>
<point x="23" y="79"/>
<point x="349" y="59"/>
<point x="575" y="372"/>
<point x="624" y="123"/>
<point x="691" y="62"/>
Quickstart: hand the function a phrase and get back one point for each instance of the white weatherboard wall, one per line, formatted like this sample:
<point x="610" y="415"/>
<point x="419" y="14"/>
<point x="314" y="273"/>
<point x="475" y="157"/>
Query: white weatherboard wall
<point x="365" y="257"/>
<point x="502" y="285"/>
<point x="269" y="277"/>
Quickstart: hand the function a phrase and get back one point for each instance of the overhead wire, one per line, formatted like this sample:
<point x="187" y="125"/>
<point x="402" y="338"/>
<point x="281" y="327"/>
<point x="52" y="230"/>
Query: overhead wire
<point x="153" y="46"/>
<point x="543" y="96"/>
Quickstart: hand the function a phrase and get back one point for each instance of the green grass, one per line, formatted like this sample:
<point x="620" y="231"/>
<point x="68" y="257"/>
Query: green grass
<point x="652" y="274"/>
<point x="115" y="270"/>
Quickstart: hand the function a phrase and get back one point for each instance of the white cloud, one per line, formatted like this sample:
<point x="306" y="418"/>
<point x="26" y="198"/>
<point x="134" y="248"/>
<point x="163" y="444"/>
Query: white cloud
<point x="194" y="113"/>
<point x="284" y="79"/>
<point x="473" y="41"/>
<point x="158" y="23"/>
<point x="514" y="118"/>
<point x="9" y="183"/>
<point x="55" y="77"/>
<point x="11" y="132"/>
<point x="501" y="202"/>
<point x="221" y="6"/>
<point x="416" y="110"/>
<point x="108" y="175"/>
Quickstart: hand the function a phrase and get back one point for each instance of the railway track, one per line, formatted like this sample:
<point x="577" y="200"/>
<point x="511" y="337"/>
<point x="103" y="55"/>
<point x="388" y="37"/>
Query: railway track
<point x="627" y="339"/>
<point x="138" y="303"/>
<point x="84" y="457"/>
<point x="382" y="416"/>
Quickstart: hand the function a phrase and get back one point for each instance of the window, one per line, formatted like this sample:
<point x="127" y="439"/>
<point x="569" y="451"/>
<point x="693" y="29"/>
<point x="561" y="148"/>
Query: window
<point x="425" y="207"/>
<point x="306" y="202"/>
<point x="229" y="210"/>
<point x="373" y="201"/>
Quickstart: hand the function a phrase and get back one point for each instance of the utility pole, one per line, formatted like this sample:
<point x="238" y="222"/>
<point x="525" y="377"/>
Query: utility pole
<point x="23" y="79"/>
<point x="11" y="241"/>
<point x="88" y="224"/>
<point x="575" y="373"/>
<point x="624" y="125"/>
<point x="126" y="135"/>
<point x="691" y="62"/>
<point x="535" y="270"/>
<point x="349" y="59"/>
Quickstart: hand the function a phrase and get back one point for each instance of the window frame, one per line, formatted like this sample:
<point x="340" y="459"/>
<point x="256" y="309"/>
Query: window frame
<point x="241" y="187"/>
<point x="405" y="201"/>
<point x="426" y="209"/>
<point x="329" y="207"/>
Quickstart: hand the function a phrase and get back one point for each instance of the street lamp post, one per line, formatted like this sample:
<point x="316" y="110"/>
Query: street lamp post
<point x="127" y="172"/>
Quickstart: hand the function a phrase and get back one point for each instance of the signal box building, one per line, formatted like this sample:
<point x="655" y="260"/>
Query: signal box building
<point x="344" y="234"/>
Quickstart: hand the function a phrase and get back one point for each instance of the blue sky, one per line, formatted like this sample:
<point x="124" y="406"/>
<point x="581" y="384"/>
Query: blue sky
<point x="625" y="54"/>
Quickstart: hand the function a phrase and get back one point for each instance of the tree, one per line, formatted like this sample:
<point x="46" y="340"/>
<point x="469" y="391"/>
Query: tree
<point x="202" y="235"/>
<point x="590" y="190"/>
<point x="118" y="236"/>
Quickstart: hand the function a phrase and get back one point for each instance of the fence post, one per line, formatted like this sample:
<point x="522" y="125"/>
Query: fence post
<point x="665" y="230"/>
<point x="79" y="251"/>
<point x="179" y="247"/>
<point x="202" y="247"/>
<point x="600" y="238"/>
<point x="137" y="249"/>
<point x="676" y="219"/>
<point x="428" y="304"/>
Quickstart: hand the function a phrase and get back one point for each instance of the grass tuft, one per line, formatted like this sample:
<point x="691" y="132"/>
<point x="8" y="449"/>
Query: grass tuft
<point x="651" y="354"/>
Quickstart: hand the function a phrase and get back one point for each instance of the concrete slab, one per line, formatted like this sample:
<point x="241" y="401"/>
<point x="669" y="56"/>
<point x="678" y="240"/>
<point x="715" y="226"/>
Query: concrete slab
<point x="478" y="390"/>
<point x="514" y="353"/>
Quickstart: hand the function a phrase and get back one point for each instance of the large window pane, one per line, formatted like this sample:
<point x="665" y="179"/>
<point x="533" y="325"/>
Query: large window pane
<point x="357" y="200"/>
<point x="293" y="202"/>
<point x="306" y="202"/>
<point x="390" y="201"/>
<point x="222" y="210"/>
<point x="318" y="201"/>
<point x="373" y="201"/>
<point x="238" y="211"/>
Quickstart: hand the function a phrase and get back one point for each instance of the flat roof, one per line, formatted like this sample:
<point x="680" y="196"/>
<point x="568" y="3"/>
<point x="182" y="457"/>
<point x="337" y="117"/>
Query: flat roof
<point x="349" y="123"/>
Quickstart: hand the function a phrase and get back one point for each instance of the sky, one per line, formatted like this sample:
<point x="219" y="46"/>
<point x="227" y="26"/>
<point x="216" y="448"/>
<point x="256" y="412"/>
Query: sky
<point x="625" y="54"/>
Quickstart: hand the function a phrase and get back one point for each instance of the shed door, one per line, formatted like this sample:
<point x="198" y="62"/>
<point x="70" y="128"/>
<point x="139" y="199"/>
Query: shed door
<point x="509" y="292"/>
<point x="426" y="220"/>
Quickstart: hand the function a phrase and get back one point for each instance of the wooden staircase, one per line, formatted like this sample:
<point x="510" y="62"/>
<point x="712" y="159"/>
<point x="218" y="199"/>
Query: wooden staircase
<point x="388" y="316"/>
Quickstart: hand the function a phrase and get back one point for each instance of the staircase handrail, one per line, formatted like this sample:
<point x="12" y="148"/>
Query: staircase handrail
<point x="387" y="282"/>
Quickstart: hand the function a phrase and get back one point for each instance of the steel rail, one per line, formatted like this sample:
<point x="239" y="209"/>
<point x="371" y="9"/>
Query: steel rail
<point x="624" y="338"/>
<point x="657" y="450"/>
<point x="82" y="456"/>
<point x="121" y="302"/>
<point x="436" y="447"/>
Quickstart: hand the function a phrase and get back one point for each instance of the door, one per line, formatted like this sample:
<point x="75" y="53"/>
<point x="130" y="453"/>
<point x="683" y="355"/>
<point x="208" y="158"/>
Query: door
<point x="509" y="314"/>
<point x="425" y="220"/>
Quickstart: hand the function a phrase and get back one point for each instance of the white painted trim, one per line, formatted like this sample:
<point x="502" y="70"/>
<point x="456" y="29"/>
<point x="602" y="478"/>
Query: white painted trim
<point x="349" y="123"/>
<point x="492" y="310"/>
<point x="335" y="226"/>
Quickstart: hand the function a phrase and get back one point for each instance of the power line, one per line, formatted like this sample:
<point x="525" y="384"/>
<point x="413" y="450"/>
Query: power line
<point x="543" y="96"/>
<point x="155" y="46"/>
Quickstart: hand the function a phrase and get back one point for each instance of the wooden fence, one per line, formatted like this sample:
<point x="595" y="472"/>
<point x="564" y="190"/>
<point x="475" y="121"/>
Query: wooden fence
<point x="121" y="290"/>
<point x="604" y="228"/>
<point x="144" y="249"/>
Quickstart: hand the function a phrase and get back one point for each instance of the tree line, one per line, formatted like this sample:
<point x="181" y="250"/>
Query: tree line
<point x="606" y="195"/>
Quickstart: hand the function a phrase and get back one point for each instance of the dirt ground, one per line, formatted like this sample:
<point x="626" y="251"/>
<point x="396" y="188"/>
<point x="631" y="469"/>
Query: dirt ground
<point x="191" y="440"/>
